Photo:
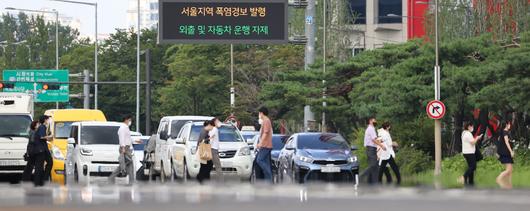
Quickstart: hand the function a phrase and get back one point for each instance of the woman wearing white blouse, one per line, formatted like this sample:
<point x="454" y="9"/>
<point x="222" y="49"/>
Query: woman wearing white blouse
<point x="468" y="149"/>
<point x="387" y="154"/>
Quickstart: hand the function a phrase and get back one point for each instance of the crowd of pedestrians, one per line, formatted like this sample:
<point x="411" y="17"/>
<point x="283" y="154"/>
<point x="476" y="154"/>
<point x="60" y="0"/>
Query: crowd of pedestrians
<point x="380" y="154"/>
<point x="377" y="142"/>
<point x="208" y="148"/>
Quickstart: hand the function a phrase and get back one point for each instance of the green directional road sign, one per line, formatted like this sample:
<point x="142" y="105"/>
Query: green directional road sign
<point x="24" y="82"/>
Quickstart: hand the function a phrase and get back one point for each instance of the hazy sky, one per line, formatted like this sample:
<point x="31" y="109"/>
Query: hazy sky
<point x="112" y="14"/>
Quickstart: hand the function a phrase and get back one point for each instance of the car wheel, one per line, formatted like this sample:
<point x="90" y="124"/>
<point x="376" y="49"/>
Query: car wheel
<point x="295" y="176"/>
<point x="173" y="173"/>
<point x="76" y="175"/>
<point x="253" y="175"/>
<point x="162" y="173"/>
<point x="65" y="174"/>
<point x="281" y="174"/>
<point x="185" y="173"/>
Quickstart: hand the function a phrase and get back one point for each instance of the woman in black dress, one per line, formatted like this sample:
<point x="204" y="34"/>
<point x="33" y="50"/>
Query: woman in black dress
<point x="506" y="155"/>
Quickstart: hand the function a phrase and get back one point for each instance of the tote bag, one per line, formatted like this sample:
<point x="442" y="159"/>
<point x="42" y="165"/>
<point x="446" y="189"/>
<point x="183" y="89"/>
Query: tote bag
<point x="205" y="151"/>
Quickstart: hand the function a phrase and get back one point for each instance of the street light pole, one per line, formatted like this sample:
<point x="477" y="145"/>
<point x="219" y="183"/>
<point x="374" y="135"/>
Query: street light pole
<point x="96" y="55"/>
<point x="138" y="70"/>
<point x="324" y="127"/>
<point x="95" y="5"/>
<point x="437" y="122"/>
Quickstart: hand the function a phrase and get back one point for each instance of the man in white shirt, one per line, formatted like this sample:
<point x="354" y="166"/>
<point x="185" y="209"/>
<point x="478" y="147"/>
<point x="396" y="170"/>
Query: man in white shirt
<point x="126" y="162"/>
<point x="214" y="141"/>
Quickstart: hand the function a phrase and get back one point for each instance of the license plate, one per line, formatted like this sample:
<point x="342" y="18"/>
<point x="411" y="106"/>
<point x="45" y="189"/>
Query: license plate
<point x="330" y="169"/>
<point x="107" y="168"/>
<point x="226" y="164"/>
<point x="10" y="163"/>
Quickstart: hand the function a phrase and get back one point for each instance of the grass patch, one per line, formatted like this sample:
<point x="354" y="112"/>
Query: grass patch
<point x="487" y="171"/>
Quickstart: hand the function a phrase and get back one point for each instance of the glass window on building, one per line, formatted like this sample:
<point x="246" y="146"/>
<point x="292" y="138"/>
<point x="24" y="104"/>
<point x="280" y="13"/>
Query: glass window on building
<point x="154" y="17"/>
<point x="357" y="11"/>
<point x="389" y="11"/>
<point x="153" y="5"/>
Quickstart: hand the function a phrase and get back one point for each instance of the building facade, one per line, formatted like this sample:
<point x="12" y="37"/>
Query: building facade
<point x="377" y="22"/>
<point x="148" y="14"/>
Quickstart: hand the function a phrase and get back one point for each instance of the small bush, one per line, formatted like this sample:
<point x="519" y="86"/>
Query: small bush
<point x="412" y="161"/>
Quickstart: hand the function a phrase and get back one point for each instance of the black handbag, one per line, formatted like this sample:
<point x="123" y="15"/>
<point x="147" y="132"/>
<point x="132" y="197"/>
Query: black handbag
<point x="478" y="154"/>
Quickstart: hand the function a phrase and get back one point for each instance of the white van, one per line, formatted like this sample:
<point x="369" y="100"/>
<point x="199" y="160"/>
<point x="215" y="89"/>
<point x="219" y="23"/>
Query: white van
<point x="16" y="110"/>
<point x="93" y="148"/>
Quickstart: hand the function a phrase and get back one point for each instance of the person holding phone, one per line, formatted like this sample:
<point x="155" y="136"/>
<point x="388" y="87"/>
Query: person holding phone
<point x="468" y="150"/>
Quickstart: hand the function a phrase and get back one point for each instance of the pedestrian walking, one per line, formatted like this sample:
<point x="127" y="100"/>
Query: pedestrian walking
<point x="371" y="173"/>
<point x="48" y="158"/>
<point x="264" y="147"/>
<point x="126" y="166"/>
<point x="40" y="148"/>
<point x="29" y="157"/>
<point x="206" y="164"/>
<point x="469" y="151"/>
<point x="387" y="154"/>
<point x="506" y="155"/>
<point x="214" y="142"/>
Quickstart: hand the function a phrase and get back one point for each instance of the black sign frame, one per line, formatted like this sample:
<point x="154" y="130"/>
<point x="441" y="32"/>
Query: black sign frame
<point x="284" y="39"/>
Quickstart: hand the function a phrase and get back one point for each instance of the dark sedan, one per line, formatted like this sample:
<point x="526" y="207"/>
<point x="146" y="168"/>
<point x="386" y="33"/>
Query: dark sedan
<point x="317" y="156"/>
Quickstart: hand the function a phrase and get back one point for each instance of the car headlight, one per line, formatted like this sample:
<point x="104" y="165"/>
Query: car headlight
<point x="86" y="152"/>
<point x="305" y="159"/>
<point x="244" y="151"/>
<point x="56" y="153"/>
<point x="352" y="159"/>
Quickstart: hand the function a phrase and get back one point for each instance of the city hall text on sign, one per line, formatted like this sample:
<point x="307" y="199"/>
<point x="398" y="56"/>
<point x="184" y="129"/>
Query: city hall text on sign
<point x="223" y="21"/>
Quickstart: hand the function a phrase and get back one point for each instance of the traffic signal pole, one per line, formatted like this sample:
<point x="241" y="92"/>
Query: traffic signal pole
<point x="309" y="52"/>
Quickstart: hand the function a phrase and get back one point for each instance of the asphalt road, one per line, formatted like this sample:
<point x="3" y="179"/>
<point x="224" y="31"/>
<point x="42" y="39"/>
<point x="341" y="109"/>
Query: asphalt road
<point x="257" y="197"/>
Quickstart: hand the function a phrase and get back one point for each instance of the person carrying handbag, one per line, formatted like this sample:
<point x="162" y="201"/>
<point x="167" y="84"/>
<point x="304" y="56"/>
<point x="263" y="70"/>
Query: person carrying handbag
<point x="204" y="153"/>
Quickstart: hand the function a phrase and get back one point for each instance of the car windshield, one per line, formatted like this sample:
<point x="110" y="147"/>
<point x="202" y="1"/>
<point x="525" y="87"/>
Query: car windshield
<point x="62" y="129"/>
<point x="229" y="134"/>
<point x="278" y="142"/>
<point x="141" y="145"/>
<point x="14" y="125"/>
<point x="195" y="132"/>
<point x="176" y="126"/>
<point x="322" y="141"/>
<point x="248" y="137"/>
<point x="100" y="135"/>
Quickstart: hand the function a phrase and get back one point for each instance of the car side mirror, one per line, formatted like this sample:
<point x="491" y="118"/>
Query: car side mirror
<point x="179" y="141"/>
<point x="354" y="148"/>
<point x="163" y="136"/>
<point x="289" y="148"/>
<point x="71" y="141"/>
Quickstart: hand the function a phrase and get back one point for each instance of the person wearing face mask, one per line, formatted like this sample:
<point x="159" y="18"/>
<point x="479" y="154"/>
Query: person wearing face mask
<point x="263" y="157"/>
<point x="370" y="135"/>
<point x="40" y="149"/>
<point x="49" y="159"/>
<point x="213" y="133"/>
<point x="468" y="150"/>
<point x="126" y="162"/>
